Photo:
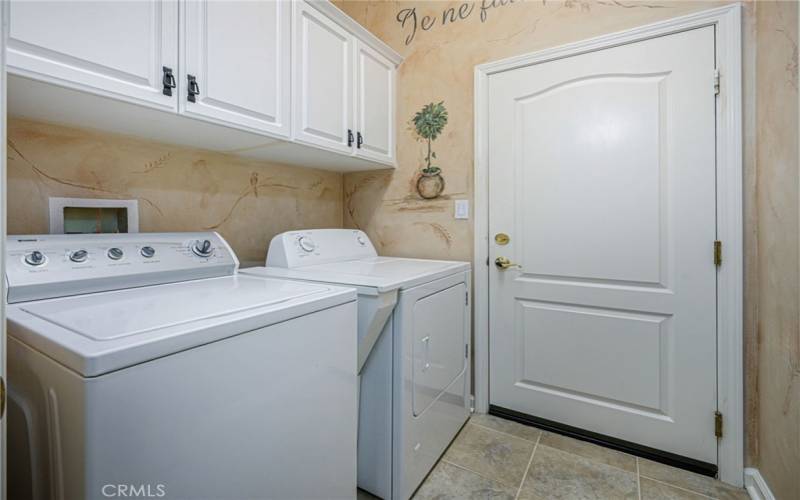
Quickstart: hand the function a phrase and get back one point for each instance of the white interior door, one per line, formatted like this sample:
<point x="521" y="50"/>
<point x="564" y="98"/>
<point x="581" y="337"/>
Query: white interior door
<point x="115" y="48"/>
<point x="323" y="84"/>
<point x="238" y="53"/>
<point x="602" y="173"/>
<point x="375" y="76"/>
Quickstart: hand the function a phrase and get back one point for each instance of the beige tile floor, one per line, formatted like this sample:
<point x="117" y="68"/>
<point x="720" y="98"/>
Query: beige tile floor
<point x="498" y="459"/>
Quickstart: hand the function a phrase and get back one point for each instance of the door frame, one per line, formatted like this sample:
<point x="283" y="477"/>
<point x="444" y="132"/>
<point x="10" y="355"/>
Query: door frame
<point x="3" y="229"/>
<point x="730" y="347"/>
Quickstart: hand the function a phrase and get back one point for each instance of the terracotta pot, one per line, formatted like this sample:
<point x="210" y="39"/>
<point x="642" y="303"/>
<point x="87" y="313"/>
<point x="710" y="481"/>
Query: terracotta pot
<point x="430" y="185"/>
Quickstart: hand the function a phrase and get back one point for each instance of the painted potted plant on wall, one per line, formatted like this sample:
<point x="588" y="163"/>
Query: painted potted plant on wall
<point x="429" y="123"/>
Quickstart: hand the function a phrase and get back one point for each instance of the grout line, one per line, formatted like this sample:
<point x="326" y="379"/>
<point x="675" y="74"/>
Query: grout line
<point x="594" y="460"/>
<point x="638" y="479"/>
<point x="506" y="433"/>
<point x="465" y="468"/>
<point x="679" y="487"/>
<point x="528" y="467"/>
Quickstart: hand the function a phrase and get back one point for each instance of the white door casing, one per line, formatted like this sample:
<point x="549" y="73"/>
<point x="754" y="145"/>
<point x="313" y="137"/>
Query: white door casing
<point x="323" y="81"/>
<point x="375" y="88"/>
<point x="58" y="42"/>
<point x="3" y="230"/>
<point x="727" y="24"/>
<point x="239" y="52"/>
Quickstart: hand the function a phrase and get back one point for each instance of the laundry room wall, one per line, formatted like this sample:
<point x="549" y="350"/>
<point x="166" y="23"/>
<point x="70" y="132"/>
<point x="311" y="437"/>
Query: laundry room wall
<point x="777" y="317"/>
<point x="179" y="189"/>
<point x="441" y="51"/>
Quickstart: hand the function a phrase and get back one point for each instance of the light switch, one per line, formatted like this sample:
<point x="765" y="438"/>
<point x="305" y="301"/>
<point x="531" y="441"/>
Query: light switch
<point x="462" y="209"/>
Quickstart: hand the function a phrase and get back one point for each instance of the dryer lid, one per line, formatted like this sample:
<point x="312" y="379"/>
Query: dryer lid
<point x="381" y="273"/>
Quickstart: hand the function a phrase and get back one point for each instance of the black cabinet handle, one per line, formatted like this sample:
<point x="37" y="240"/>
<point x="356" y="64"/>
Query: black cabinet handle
<point x="360" y="140"/>
<point x="193" y="89"/>
<point x="349" y="138"/>
<point x="168" y="81"/>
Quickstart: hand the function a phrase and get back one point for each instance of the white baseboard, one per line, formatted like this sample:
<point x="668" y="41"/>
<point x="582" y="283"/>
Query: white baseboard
<point x="756" y="486"/>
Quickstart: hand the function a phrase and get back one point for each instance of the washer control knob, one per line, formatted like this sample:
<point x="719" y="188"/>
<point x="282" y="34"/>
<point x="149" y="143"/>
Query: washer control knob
<point x="115" y="253"/>
<point x="307" y="244"/>
<point x="203" y="248"/>
<point x="79" y="256"/>
<point x="147" y="252"/>
<point x="35" y="258"/>
<point x="361" y="241"/>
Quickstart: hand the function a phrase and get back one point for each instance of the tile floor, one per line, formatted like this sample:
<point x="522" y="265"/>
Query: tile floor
<point x="498" y="459"/>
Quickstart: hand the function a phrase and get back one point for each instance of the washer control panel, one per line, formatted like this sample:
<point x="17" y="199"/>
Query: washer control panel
<point x="54" y="265"/>
<point x="318" y="246"/>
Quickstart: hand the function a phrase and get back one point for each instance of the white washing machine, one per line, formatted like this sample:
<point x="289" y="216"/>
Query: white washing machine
<point x="413" y="352"/>
<point x="142" y="365"/>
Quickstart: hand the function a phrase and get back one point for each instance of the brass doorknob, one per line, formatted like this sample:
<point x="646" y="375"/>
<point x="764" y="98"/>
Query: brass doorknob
<point x="504" y="263"/>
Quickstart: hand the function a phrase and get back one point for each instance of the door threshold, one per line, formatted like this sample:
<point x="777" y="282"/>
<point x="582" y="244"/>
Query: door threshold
<point x="638" y="450"/>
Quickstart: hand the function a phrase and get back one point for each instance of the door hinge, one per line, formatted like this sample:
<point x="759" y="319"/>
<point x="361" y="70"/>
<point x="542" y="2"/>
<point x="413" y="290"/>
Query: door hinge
<point x="466" y="298"/>
<point x="717" y="253"/>
<point x="716" y="82"/>
<point x="718" y="424"/>
<point x="466" y="351"/>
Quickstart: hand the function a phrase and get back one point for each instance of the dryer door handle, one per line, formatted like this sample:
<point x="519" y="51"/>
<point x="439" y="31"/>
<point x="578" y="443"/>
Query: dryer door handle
<point x="426" y="353"/>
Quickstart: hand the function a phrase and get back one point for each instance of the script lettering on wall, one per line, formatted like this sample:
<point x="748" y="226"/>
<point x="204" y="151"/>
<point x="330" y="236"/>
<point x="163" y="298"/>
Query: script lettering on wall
<point x="411" y="21"/>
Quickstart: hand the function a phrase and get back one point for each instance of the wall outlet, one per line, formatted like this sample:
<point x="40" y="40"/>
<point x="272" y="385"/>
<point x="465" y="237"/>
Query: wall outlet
<point x="461" y="209"/>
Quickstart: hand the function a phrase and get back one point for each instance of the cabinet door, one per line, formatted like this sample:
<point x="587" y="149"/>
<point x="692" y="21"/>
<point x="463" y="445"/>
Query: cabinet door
<point x="375" y="102"/>
<point x="117" y="49"/>
<point x="238" y="53"/>
<point x="323" y="59"/>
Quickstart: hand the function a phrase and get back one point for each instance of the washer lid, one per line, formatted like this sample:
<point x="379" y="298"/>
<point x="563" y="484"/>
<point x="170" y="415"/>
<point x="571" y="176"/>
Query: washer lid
<point x="381" y="273"/>
<point x="96" y="333"/>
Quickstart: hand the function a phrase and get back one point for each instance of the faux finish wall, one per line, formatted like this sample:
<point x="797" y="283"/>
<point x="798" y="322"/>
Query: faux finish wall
<point x="778" y="324"/>
<point x="178" y="189"/>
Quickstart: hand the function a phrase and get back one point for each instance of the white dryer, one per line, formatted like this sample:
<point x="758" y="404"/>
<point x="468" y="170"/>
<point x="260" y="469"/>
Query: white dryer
<point x="413" y="352"/>
<point x="143" y="365"/>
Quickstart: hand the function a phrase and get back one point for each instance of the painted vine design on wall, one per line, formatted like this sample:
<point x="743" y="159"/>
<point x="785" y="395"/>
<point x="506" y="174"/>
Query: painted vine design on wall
<point x="254" y="184"/>
<point x="155" y="164"/>
<point x="439" y="231"/>
<point x="41" y="174"/>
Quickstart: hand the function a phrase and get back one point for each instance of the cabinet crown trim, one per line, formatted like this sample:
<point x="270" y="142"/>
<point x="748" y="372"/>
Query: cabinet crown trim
<point x="359" y="31"/>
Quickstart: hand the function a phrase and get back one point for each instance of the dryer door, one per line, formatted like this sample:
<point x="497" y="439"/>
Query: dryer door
<point x="431" y="376"/>
<point x="439" y="347"/>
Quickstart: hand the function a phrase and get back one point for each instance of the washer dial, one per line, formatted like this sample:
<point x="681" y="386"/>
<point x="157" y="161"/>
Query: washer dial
<point x="203" y="248"/>
<point x="79" y="256"/>
<point x="35" y="258"/>
<point x="306" y="243"/>
<point x="115" y="253"/>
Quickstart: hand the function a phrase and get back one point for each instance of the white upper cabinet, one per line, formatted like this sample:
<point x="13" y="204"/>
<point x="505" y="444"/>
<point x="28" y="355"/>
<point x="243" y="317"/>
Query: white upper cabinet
<point x="375" y="105"/>
<point x="288" y="81"/>
<point x="116" y="49"/>
<point x="344" y="86"/>
<point x="323" y="85"/>
<point x="235" y="63"/>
